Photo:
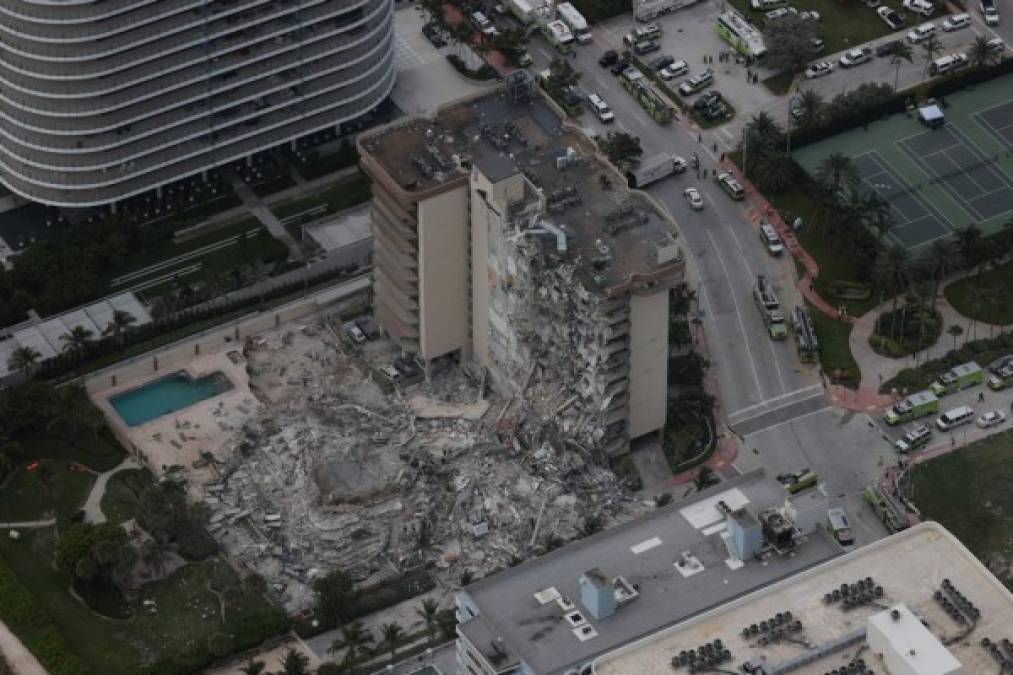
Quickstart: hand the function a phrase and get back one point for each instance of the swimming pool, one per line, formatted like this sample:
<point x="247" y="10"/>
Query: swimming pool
<point x="167" y="395"/>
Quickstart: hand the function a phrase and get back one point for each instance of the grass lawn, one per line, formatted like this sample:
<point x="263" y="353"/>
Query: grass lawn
<point x="318" y="164"/>
<point x="824" y="249"/>
<point x="982" y="517"/>
<point x="24" y="498"/>
<point x="188" y="613"/>
<point x="261" y="246"/>
<point x="842" y="24"/>
<point x="328" y="200"/>
<point x="988" y="299"/>
<point x="119" y="499"/>
<point x="98" y="453"/>
<point x="835" y="350"/>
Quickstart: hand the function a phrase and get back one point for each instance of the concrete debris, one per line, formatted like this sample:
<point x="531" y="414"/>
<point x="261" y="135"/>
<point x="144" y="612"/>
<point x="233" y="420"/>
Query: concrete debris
<point x="331" y="471"/>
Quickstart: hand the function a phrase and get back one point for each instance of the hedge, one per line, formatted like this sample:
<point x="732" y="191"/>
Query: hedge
<point x="483" y="73"/>
<point x="27" y="619"/>
<point x="983" y="351"/>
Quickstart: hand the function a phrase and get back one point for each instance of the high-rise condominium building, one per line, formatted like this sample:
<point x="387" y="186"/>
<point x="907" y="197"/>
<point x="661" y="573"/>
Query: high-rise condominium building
<point x="104" y="100"/>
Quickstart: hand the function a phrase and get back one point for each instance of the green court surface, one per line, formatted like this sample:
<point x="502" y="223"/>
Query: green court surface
<point x="936" y="181"/>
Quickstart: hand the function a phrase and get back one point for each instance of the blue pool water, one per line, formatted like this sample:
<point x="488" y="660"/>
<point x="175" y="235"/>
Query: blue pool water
<point x="167" y="395"/>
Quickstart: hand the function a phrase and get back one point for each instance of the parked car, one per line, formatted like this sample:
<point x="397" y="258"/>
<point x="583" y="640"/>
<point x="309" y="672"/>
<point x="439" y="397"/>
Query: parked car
<point x="956" y="22"/>
<point x="913" y="439"/>
<point x="872" y="4"/>
<point x="696" y="83"/>
<point x="391" y="372"/>
<point x="855" y="57"/>
<point x="991" y="418"/>
<point x="989" y="12"/>
<point x="620" y="66"/>
<point x="674" y="70"/>
<point x="887" y="48"/>
<point x="609" y="58"/>
<point x="354" y="332"/>
<point x="775" y="14"/>
<point x="661" y="62"/>
<point x="921" y="33"/>
<point x="707" y="100"/>
<point x="922" y="7"/>
<point x="996" y="45"/>
<point x="692" y="196"/>
<point x="716" y="111"/>
<point x="818" y="45"/>
<point x="811" y="15"/>
<point x="819" y="69"/>
<point x="894" y="20"/>
<point x="646" y="47"/>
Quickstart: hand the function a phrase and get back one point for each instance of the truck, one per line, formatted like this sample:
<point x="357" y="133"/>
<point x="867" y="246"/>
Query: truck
<point x="798" y="481"/>
<point x="525" y="11"/>
<point x="558" y="35"/>
<point x="959" y="377"/>
<point x="839" y="527"/>
<point x="805" y="334"/>
<point x="648" y="10"/>
<point x="569" y="15"/>
<point x="640" y="88"/>
<point x="1001" y="378"/>
<point x="770" y="308"/>
<point x="655" y="168"/>
<point x="916" y="405"/>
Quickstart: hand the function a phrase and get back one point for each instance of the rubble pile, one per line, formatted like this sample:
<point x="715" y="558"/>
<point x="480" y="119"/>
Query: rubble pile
<point x="332" y="472"/>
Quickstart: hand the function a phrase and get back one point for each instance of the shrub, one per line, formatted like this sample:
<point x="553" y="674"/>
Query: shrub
<point x="483" y="73"/>
<point x="909" y="329"/>
<point x="984" y="351"/>
<point x="626" y="470"/>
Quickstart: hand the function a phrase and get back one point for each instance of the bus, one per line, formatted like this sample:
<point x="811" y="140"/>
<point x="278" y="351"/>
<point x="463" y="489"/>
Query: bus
<point x="741" y="34"/>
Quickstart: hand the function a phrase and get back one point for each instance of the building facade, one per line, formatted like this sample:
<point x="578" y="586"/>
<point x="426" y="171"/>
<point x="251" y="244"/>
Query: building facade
<point x="102" y="101"/>
<point x="501" y="240"/>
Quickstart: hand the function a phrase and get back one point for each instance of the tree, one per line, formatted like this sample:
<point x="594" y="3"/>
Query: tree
<point x="981" y="53"/>
<point x="705" y="478"/>
<point x="154" y="552"/>
<point x="331" y="669"/>
<point x="593" y="523"/>
<point x="901" y="52"/>
<point x="810" y="107"/>
<point x="92" y="551"/>
<point x="253" y="667"/>
<point x="763" y="138"/>
<point x="956" y="331"/>
<point x="775" y="172"/>
<point x="622" y="149"/>
<point x="835" y="172"/>
<point x="219" y="644"/>
<point x="255" y="584"/>
<point x="24" y="358"/>
<point x="355" y="641"/>
<point x="789" y="44"/>
<point x="334" y="594"/>
<point x="931" y="48"/>
<point x="428" y="611"/>
<point x="510" y="42"/>
<point x="119" y="324"/>
<point x="295" y="663"/>
<point x="76" y="340"/>
<point x="941" y="259"/>
<point x="561" y="75"/>
<point x="892" y="271"/>
<point x="970" y="243"/>
<point x="392" y="634"/>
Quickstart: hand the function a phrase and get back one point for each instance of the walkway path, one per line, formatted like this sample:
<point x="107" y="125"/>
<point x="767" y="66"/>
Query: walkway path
<point x="28" y="524"/>
<point x="264" y="215"/>
<point x="22" y="661"/>
<point x="93" y="505"/>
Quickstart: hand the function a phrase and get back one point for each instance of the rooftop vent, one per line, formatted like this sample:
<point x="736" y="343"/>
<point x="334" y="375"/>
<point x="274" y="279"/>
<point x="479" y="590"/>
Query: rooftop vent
<point x="597" y="593"/>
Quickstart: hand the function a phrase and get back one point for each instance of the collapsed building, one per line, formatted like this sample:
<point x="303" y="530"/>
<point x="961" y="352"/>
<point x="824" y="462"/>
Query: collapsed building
<point x="503" y="242"/>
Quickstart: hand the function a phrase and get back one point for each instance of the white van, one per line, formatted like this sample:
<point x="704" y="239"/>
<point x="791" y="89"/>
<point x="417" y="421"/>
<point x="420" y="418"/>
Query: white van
<point x="954" y="418"/>
<point x="945" y="64"/>
<point x="483" y="24"/>
<point x="601" y="109"/>
<point x="956" y="22"/>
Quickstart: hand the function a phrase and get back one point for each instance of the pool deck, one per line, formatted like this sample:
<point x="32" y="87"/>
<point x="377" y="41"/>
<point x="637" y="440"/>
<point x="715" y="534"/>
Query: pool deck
<point x="180" y="437"/>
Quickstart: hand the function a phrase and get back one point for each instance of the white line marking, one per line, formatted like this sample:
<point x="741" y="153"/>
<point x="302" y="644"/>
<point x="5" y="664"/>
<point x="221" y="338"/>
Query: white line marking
<point x="793" y="419"/>
<point x="776" y="398"/>
<point x="645" y="545"/>
<point x="738" y="315"/>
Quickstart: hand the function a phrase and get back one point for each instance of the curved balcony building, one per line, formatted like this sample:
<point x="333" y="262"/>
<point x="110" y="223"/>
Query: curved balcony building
<point x="103" y="100"/>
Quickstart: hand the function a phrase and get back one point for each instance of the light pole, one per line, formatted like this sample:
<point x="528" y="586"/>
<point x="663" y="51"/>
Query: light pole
<point x="791" y="107"/>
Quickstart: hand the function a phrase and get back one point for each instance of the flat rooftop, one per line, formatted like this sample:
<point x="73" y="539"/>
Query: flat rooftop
<point x="612" y="233"/>
<point x="644" y="552"/>
<point x="909" y="566"/>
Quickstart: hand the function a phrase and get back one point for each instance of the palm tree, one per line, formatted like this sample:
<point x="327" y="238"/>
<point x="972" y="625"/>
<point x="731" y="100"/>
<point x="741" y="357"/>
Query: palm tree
<point x="982" y="55"/>
<point x="930" y="49"/>
<point x="776" y="172"/>
<point x="253" y="668"/>
<point x="76" y="339"/>
<point x="393" y="635"/>
<point x="1006" y="237"/>
<point x="835" y="172"/>
<point x="892" y="270"/>
<point x="562" y="74"/>
<point x="295" y="663"/>
<point x="705" y="478"/>
<point x="969" y="242"/>
<point x="428" y="611"/>
<point x="762" y="127"/>
<point x="941" y="260"/>
<point x="810" y="103"/>
<point x="902" y="52"/>
<point x="866" y="206"/>
<point x="119" y="324"/>
<point x="355" y="640"/>
<point x="956" y="331"/>
<point x="24" y="359"/>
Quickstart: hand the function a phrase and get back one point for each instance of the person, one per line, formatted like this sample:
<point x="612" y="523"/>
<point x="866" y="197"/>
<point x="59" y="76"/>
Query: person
<point x="981" y="397"/>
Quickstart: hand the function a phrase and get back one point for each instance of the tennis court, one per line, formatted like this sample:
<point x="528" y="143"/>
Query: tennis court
<point x="936" y="181"/>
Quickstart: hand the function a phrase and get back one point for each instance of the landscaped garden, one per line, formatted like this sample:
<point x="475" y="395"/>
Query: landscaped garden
<point x="835" y="351"/>
<point x="842" y="24"/>
<point x="985" y="297"/>
<point x="906" y="330"/>
<point x="333" y="199"/>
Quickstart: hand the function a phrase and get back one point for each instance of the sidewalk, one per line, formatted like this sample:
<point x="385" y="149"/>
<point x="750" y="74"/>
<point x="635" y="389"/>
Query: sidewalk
<point x="256" y="207"/>
<point x="22" y="661"/>
<point x="93" y="505"/>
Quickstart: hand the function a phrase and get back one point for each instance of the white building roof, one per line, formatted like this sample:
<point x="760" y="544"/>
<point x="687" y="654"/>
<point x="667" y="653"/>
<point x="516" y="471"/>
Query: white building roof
<point x="907" y="646"/>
